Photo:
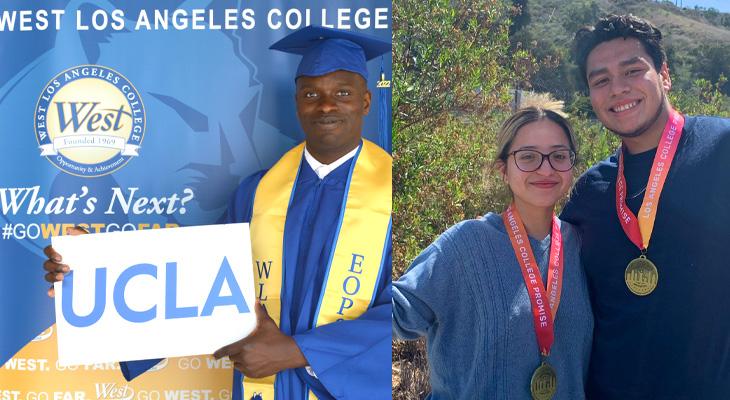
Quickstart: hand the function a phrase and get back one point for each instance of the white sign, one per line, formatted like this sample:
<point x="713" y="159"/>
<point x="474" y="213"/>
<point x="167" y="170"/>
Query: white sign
<point x="153" y="293"/>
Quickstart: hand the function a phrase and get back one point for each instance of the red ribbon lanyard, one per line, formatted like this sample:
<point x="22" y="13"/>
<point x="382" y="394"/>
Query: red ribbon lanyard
<point x="639" y="229"/>
<point x="543" y="314"/>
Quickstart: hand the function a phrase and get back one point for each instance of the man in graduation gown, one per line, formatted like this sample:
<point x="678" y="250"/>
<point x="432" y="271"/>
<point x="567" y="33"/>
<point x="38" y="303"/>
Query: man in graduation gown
<point x="320" y="230"/>
<point x="654" y="222"/>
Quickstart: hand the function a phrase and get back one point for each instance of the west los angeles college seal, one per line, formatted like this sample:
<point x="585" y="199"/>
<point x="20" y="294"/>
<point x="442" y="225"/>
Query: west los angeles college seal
<point x="89" y="121"/>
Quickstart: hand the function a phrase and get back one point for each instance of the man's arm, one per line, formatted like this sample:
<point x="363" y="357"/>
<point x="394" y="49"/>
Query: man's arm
<point x="264" y="352"/>
<point x="352" y="358"/>
<point x="54" y="265"/>
<point x="133" y="369"/>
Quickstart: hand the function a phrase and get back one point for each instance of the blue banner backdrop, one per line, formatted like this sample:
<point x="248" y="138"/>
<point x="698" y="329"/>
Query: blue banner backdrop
<point x="179" y="101"/>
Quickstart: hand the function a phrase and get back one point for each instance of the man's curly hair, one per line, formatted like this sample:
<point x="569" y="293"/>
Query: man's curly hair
<point x="614" y="27"/>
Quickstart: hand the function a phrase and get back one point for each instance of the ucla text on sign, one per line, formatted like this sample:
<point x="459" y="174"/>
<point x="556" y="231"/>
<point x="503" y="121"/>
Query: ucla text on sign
<point x="172" y="310"/>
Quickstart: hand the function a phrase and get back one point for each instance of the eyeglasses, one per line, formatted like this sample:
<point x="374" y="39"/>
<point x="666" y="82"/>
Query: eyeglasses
<point x="531" y="160"/>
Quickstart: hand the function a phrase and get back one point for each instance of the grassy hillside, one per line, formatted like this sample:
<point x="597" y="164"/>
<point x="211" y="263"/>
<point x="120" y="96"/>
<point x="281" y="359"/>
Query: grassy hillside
<point x="697" y="40"/>
<point x="682" y="26"/>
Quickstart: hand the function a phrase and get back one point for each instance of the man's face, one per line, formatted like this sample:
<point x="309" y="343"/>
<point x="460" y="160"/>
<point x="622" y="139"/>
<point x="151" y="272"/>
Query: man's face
<point x="331" y="109"/>
<point x="207" y="123"/>
<point x="627" y="93"/>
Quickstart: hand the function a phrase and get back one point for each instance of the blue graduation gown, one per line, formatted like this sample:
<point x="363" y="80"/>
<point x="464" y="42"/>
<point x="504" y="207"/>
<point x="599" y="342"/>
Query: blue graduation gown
<point x="351" y="359"/>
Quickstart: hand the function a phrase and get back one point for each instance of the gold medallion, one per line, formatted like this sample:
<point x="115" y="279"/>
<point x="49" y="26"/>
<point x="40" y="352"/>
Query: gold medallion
<point x="544" y="382"/>
<point x="641" y="276"/>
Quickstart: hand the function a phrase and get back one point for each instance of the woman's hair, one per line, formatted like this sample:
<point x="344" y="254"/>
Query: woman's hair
<point x="532" y="110"/>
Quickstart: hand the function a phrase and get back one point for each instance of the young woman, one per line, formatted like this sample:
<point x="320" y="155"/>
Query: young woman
<point x="502" y="299"/>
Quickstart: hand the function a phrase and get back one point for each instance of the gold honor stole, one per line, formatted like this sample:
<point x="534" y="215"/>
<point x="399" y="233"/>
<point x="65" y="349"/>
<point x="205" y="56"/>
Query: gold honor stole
<point x="357" y="256"/>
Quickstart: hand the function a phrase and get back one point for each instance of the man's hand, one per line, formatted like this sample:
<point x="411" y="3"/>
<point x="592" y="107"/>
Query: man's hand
<point x="57" y="270"/>
<point x="265" y="351"/>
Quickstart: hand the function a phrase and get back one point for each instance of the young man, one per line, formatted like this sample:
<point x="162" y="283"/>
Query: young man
<point x="320" y="228"/>
<point x="654" y="220"/>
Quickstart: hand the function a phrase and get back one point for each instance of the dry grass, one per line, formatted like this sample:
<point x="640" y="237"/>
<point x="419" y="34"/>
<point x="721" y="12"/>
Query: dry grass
<point x="410" y="370"/>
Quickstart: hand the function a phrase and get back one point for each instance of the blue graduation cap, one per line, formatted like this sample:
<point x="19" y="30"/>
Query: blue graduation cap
<point x="326" y="50"/>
